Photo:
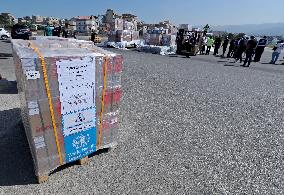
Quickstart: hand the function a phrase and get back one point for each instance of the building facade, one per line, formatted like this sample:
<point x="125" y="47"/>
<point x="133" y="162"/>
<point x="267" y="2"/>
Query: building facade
<point x="37" y="19"/>
<point x="87" y="24"/>
<point x="51" y="21"/>
<point x="166" y="25"/>
<point x="71" y="24"/>
<point x="130" y="18"/>
<point x="110" y="16"/>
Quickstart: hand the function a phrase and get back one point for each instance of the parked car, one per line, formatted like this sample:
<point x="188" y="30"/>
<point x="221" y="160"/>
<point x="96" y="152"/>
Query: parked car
<point x="21" y="32"/>
<point x="4" y="35"/>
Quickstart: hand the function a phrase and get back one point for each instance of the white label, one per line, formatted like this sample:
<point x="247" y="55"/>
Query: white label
<point x="28" y="65"/>
<point x="39" y="142"/>
<point x="80" y="121"/>
<point x="34" y="111"/>
<point x="32" y="75"/>
<point x="76" y="79"/>
<point x="32" y="105"/>
<point x="76" y="84"/>
<point x="72" y="102"/>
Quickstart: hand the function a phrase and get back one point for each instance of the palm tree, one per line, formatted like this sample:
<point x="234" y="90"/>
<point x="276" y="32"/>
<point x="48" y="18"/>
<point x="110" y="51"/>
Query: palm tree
<point x="1" y="20"/>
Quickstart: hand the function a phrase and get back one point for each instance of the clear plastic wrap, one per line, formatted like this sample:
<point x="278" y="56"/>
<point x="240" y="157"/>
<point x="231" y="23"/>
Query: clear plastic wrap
<point x="61" y="83"/>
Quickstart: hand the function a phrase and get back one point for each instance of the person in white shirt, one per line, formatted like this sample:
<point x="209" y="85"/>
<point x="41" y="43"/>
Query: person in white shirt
<point x="277" y="51"/>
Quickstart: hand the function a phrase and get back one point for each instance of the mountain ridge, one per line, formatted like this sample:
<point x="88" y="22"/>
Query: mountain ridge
<point x="269" y="29"/>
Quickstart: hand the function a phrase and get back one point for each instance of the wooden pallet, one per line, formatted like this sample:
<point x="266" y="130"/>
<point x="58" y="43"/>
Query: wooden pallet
<point x="83" y="161"/>
<point x="44" y="178"/>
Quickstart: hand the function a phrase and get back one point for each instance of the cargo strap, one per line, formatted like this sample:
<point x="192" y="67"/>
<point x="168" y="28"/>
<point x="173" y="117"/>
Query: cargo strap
<point x="105" y="66"/>
<point x="43" y="64"/>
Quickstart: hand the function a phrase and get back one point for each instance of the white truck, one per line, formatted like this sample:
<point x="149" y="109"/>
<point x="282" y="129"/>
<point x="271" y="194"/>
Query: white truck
<point x="4" y="35"/>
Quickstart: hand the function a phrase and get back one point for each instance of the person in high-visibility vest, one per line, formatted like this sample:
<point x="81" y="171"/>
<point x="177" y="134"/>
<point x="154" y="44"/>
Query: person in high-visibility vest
<point x="210" y="42"/>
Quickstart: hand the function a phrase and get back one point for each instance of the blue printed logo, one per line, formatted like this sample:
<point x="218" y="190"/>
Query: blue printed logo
<point x="79" y="145"/>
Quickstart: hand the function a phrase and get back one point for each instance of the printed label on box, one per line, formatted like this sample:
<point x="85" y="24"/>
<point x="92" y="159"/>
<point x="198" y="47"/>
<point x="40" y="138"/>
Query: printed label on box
<point x="32" y="105"/>
<point x="32" y="75"/>
<point x="39" y="142"/>
<point x="79" y="145"/>
<point x="28" y="65"/>
<point x="33" y="111"/>
<point x="76" y="79"/>
<point x="76" y="84"/>
<point x="79" y="121"/>
<point x="78" y="100"/>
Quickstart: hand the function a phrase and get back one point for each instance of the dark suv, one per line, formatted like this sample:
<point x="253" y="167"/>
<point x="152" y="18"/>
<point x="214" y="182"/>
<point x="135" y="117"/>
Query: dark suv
<point x="20" y="32"/>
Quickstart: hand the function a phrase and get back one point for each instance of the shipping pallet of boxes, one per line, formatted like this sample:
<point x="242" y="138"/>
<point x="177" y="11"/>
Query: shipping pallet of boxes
<point x="128" y="37"/>
<point x="70" y="95"/>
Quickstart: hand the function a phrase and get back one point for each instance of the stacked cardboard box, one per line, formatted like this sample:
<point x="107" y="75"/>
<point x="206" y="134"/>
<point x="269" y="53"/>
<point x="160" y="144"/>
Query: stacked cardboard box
<point x="123" y="35"/>
<point x="158" y="31"/>
<point x="128" y="25"/>
<point x="123" y="31"/>
<point x="155" y="39"/>
<point x="118" y="24"/>
<point x="168" y="40"/>
<point x="70" y="95"/>
<point x="185" y="27"/>
<point x="112" y="36"/>
<point x="160" y="39"/>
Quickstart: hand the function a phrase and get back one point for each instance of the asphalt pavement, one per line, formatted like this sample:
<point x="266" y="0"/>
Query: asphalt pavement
<point x="201" y="125"/>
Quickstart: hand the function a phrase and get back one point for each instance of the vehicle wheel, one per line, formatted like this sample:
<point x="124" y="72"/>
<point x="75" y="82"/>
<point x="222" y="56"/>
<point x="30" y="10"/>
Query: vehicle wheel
<point x="4" y="37"/>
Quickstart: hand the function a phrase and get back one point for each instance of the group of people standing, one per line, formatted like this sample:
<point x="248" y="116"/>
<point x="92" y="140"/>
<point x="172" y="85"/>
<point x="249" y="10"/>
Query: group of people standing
<point x="248" y="46"/>
<point x="59" y="31"/>
<point x="252" y="48"/>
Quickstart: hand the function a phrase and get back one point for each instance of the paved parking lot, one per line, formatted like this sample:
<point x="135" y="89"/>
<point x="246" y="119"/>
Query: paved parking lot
<point x="189" y="126"/>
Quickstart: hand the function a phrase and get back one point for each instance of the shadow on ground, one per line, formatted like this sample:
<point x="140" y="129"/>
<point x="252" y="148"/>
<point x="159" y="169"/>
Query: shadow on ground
<point x="8" y="87"/>
<point x="66" y="166"/>
<point x="16" y="165"/>
<point x="173" y="56"/>
<point x="273" y="64"/>
<point x="229" y="65"/>
<point x="6" y="55"/>
<point x="6" y="41"/>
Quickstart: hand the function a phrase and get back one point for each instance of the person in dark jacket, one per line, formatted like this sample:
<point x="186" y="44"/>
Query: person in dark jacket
<point x="240" y="50"/>
<point x="250" y="49"/>
<point x="192" y="42"/>
<point x="231" y="49"/>
<point x="93" y="36"/>
<point x="260" y="49"/>
<point x="225" y="45"/>
<point x="217" y="43"/>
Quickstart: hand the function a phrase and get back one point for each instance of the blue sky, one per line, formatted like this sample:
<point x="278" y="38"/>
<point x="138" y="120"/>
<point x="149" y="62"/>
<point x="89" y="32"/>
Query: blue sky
<point x="214" y="12"/>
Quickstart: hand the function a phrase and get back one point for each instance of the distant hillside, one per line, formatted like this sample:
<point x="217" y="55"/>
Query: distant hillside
<point x="270" y="29"/>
